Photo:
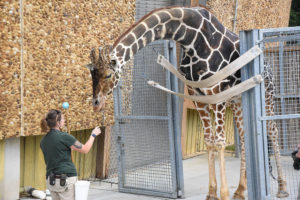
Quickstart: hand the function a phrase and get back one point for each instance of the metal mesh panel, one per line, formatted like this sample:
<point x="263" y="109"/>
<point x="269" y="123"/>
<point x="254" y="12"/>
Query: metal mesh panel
<point x="145" y="6"/>
<point x="291" y="175"/>
<point x="112" y="169"/>
<point x="137" y="97"/>
<point x="144" y="124"/>
<point x="147" y="161"/>
<point x="282" y="55"/>
<point x="284" y="59"/>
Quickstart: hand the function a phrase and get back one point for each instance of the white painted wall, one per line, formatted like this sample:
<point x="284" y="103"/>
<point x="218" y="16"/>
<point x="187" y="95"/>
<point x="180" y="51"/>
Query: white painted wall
<point x="10" y="184"/>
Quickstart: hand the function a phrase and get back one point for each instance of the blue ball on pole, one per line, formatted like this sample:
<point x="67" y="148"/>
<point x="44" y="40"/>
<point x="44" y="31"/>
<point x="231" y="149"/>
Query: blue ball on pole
<point x="65" y="105"/>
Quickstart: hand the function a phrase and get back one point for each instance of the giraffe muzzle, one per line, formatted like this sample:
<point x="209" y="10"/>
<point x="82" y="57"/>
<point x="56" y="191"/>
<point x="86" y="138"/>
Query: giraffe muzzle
<point x="98" y="103"/>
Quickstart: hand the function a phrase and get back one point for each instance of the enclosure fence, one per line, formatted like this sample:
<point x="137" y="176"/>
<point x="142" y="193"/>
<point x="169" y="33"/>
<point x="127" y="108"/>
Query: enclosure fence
<point x="281" y="58"/>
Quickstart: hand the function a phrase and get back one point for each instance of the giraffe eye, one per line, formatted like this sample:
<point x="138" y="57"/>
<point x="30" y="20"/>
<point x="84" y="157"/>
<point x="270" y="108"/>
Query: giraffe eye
<point x="108" y="76"/>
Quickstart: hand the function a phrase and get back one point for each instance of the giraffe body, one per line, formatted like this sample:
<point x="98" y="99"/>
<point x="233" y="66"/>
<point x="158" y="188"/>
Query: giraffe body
<point x="208" y="47"/>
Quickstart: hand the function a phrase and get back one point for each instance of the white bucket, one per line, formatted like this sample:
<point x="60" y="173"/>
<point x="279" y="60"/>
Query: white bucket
<point x="81" y="190"/>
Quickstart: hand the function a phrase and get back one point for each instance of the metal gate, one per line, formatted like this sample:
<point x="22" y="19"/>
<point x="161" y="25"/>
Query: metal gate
<point x="282" y="57"/>
<point x="144" y="120"/>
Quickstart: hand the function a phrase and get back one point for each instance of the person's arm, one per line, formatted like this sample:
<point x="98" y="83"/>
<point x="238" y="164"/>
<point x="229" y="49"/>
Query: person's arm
<point x="85" y="148"/>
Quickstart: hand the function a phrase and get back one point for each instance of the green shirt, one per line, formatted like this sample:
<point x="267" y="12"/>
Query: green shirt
<point x="57" y="152"/>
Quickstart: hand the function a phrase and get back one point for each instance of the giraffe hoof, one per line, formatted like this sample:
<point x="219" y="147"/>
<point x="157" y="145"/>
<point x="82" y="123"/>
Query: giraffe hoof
<point x="282" y="194"/>
<point x="237" y="196"/>
<point x="210" y="197"/>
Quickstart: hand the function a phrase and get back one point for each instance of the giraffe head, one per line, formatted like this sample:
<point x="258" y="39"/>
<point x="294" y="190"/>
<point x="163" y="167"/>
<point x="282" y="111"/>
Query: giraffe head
<point x="104" y="75"/>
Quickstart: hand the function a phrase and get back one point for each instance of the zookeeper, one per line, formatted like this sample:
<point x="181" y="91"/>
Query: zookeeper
<point x="56" y="145"/>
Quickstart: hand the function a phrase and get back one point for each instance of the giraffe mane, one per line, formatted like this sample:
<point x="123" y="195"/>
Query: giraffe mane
<point x="147" y="15"/>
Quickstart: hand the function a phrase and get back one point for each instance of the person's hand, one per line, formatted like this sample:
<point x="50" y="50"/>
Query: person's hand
<point x="96" y="131"/>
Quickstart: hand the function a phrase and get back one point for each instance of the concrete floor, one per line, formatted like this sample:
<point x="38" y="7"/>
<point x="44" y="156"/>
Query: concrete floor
<point x="195" y="172"/>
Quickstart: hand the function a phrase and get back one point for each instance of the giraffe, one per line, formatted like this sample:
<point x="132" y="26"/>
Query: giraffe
<point x="207" y="47"/>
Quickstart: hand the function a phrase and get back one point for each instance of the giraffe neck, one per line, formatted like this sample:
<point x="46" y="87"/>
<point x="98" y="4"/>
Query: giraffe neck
<point x="204" y="39"/>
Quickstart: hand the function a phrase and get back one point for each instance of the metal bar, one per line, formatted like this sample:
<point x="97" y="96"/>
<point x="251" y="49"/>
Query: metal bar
<point x="275" y="117"/>
<point x="263" y="123"/>
<point x="146" y="192"/>
<point x="117" y="127"/>
<point x="282" y="91"/>
<point x="263" y="113"/>
<point x="278" y="31"/>
<point x="132" y="117"/>
<point x="281" y="38"/>
<point x="176" y="123"/>
<point x="247" y="123"/>
<point x="170" y="124"/>
<point x="254" y="144"/>
<point x="287" y="96"/>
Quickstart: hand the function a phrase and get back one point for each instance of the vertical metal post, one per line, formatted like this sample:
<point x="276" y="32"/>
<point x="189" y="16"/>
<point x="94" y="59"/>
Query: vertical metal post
<point x="117" y="105"/>
<point x="282" y="98"/>
<point x="170" y="121"/>
<point x="263" y="113"/>
<point x="176" y="123"/>
<point x="254" y="138"/>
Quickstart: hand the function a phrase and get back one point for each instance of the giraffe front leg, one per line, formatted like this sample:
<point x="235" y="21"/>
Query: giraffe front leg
<point x="212" y="190"/>
<point x="273" y="135"/>
<point x="224" y="188"/>
<point x="220" y="142"/>
<point x="203" y="110"/>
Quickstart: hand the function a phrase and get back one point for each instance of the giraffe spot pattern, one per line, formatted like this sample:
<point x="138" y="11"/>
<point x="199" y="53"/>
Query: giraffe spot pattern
<point x="151" y="21"/>
<point x="203" y="50"/>
<point x="134" y="48"/>
<point x="234" y="56"/>
<point x="198" y="69"/>
<point x="128" y="40"/>
<point x="191" y="52"/>
<point x="180" y="32"/>
<point x="214" y="40"/>
<point x="207" y="75"/>
<point x="139" y="30"/>
<point x="215" y="61"/>
<point x="186" y="60"/>
<point x="148" y="37"/>
<point x="231" y="36"/>
<point x="127" y="55"/>
<point x="163" y="17"/>
<point x="192" y="18"/>
<point x="120" y="51"/>
<point x="226" y="48"/>
<point x="188" y="37"/>
<point x="207" y="29"/>
<point x="204" y="13"/>
<point x="171" y="27"/>
<point x="217" y="24"/>
<point x="176" y="13"/>
<point x="140" y="43"/>
<point x="158" y="32"/>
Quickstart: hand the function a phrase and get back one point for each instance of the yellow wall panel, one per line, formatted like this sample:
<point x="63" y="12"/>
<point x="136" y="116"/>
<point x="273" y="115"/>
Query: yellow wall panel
<point x="195" y="134"/>
<point x="2" y="148"/>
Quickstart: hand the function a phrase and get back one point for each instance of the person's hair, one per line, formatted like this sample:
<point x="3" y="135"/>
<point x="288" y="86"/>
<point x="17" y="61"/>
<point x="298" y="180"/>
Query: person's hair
<point x="52" y="117"/>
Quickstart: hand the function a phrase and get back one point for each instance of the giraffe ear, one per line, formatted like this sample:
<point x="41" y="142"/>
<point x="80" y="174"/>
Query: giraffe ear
<point x="93" y="57"/>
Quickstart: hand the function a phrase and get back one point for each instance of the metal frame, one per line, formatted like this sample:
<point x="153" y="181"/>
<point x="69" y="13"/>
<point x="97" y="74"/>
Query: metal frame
<point x="256" y="146"/>
<point x="173" y="131"/>
<point x="255" y="140"/>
